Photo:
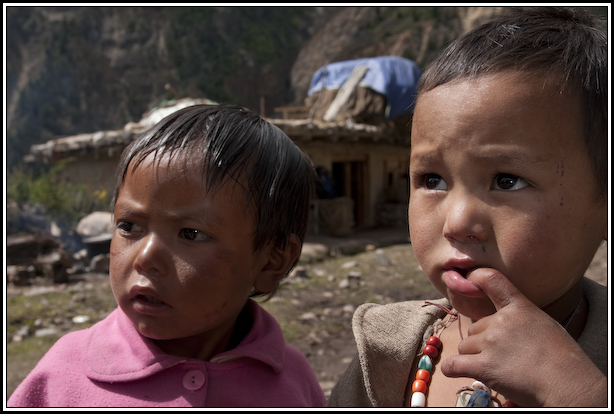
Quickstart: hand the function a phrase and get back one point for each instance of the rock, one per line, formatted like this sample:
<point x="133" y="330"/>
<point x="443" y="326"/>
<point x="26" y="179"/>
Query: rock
<point x="313" y="338"/>
<point x="313" y="252"/>
<point x="351" y="263"/>
<point x="381" y="258"/>
<point x="46" y="332"/>
<point x="23" y="249"/>
<point x="95" y="224"/>
<point x="100" y="263"/>
<point x="80" y="319"/>
<point x="349" y="308"/>
<point x="55" y="230"/>
<point x="352" y="280"/>
<point x="21" y="333"/>
<point x="80" y="255"/>
<point x="20" y="275"/>
<point x="96" y="230"/>
<point x="54" y="265"/>
<point x="41" y="251"/>
<point x="308" y="316"/>
<point x="354" y="275"/>
<point x="299" y="271"/>
<point x="326" y="386"/>
<point x="39" y="290"/>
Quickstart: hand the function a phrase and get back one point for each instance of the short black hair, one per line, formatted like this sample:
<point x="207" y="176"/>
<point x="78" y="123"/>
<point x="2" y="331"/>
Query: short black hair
<point x="233" y="143"/>
<point x="564" y="44"/>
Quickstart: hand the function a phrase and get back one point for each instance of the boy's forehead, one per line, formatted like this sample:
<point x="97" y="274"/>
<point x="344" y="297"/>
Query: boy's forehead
<point x="182" y="165"/>
<point x="507" y="87"/>
<point x="542" y="82"/>
<point x="509" y="105"/>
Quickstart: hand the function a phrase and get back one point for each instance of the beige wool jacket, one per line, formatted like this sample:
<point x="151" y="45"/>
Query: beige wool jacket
<point x="388" y="338"/>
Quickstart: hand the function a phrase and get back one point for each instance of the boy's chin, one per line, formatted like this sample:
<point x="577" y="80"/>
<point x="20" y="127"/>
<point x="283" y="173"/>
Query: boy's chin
<point x="473" y="308"/>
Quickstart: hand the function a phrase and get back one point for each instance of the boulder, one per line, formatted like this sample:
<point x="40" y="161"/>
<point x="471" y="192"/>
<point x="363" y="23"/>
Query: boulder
<point x="23" y="249"/>
<point x="31" y="255"/>
<point x="95" y="224"/>
<point x="96" y="231"/>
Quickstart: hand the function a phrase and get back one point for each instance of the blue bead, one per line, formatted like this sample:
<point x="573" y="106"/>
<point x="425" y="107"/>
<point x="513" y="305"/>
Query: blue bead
<point x="479" y="398"/>
<point x="426" y="363"/>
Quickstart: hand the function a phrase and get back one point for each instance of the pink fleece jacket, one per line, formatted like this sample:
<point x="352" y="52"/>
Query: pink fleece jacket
<point x="112" y="365"/>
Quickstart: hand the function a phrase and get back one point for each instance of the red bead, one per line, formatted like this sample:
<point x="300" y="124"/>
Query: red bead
<point x="423" y="375"/>
<point x="434" y="341"/>
<point x="509" y="404"/>
<point x="431" y="351"/>
<point x="419" y="386"/>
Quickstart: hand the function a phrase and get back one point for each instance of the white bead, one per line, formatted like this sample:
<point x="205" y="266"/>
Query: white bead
<point x="418" y="399"/>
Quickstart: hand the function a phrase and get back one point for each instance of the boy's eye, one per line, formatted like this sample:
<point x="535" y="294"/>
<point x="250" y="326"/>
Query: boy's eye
<point x="126" y="226"/>
<point x="434" y="182"/>
<point x="508" y="182"/>
<point x="193" y="235"/>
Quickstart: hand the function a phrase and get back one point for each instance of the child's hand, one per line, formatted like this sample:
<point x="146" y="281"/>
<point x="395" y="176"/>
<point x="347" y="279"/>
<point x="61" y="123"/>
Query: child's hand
<point x="524" y="354"/>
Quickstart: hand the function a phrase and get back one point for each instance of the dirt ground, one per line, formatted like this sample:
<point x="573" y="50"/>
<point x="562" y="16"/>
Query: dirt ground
<point x="314" y="306"/>
<point x="329" y="349"/>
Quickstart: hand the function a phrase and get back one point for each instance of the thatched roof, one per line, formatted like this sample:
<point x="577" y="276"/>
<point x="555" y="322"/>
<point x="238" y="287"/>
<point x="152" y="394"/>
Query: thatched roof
<point x="112" y="142"/>
<point x="339" y="131"/>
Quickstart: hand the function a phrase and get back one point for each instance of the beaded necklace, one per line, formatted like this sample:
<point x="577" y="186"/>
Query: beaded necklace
<point x="479" y="395"/>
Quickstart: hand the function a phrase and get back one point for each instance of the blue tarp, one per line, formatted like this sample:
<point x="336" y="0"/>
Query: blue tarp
<point x="394" y="77"/>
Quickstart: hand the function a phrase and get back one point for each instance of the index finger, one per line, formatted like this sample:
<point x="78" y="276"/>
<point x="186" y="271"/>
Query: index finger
<point x="496" y="286"/>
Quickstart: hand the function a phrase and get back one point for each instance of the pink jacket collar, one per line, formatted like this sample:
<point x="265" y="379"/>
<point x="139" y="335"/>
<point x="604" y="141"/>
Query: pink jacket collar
<point x="116" y="352"/>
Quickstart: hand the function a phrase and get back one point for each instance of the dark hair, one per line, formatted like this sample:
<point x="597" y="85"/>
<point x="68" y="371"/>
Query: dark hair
<point x="234" y="143"/>
<point x="566" y="45"/>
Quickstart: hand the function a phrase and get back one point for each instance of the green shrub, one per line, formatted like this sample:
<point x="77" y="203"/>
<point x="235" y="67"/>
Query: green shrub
<point x="63" y="202"/>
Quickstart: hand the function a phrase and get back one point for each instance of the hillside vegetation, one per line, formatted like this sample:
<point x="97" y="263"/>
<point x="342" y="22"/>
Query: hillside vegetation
<point x="82" y="69"/>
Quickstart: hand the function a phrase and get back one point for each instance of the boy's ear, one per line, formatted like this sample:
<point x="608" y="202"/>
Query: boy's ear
<point x="278" y="264"/>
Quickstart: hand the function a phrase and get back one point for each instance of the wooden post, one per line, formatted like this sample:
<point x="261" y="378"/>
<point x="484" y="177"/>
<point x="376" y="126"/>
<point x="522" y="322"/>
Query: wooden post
<point x="345" y="92"/>
<point x="262" y="107"/>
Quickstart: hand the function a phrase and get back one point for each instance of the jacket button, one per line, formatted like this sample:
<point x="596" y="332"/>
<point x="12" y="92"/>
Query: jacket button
<point x="194" y="380"/>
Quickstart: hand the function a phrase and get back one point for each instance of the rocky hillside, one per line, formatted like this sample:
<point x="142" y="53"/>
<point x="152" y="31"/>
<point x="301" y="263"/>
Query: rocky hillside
<point x="81" y="69"/>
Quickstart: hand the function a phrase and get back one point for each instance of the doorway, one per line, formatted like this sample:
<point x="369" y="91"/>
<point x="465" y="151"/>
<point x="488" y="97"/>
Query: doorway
<point x="349" y="180"/>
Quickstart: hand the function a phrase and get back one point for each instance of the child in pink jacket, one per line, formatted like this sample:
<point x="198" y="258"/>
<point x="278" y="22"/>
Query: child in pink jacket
<point x="210" y="210"/>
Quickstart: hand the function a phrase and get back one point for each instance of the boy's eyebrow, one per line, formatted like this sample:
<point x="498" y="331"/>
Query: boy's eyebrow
<point x="121" y="209"/>
<point x="201" y="216"/>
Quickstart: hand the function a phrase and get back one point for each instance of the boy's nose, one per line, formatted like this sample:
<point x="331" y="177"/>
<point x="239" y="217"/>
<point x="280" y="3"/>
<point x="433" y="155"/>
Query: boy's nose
<point x="150" y="256"/>
<point x="466" y="220"/>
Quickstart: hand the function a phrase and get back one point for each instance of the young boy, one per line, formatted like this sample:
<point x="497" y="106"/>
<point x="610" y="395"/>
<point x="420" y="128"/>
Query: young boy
<point x="210" y="209"/>
<point x="508" y="205"/>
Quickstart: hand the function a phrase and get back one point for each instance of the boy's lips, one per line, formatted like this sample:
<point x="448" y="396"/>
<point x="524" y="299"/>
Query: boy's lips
<point x="145" y="300"/>
<point x="455" y="274"/>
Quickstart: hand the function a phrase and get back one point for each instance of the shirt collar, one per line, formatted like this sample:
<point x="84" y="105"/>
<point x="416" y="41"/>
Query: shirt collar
<point x="115" y="351"/>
